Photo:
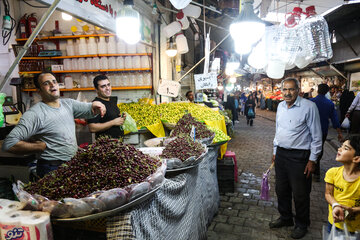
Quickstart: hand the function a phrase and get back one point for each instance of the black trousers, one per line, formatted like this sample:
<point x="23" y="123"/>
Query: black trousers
<point x="317" y="166"/>
<point x="292" y="182"/>
<point x="355" y="122"/>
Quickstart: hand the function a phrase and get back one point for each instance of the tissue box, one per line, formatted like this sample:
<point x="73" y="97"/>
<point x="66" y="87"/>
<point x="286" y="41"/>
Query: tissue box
<point x="57" y="67"/>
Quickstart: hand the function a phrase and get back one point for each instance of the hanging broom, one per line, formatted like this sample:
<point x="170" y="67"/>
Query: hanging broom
<point x="265" y="185"/>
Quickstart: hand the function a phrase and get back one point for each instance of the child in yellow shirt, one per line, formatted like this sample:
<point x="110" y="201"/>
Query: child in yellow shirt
<point x="343" y="187"/>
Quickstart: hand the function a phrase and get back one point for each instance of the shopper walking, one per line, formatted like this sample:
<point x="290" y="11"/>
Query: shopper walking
<point x="354" y="109"/>
<point x="345" y="102"/>
<point x="250" y="109"/>
<point x="297" y="145"/>
<point x="243" y="99"/>
<point x="326" y="110"/>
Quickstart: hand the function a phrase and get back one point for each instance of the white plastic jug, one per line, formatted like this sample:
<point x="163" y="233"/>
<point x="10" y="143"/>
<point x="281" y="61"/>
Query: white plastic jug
<point x="92" y="46"/>
<point x="111" y="45"/>
<point x="192" y="11"/>
<point x="74" y="64"/>
<point x="96" y="63"/>
<point x="84" y="81"/>
<point x="136" y="62"/>
<point x="128" y="62"/>
<point x="112" y="62"/>
<point x="67" y="64"/>
<point x="104" y="63"/>
<point x="145" y="62"/>
<point x="131" y="48"/>
<point x="121" y="46"/>
<point x="181" y="43"/>
<point x="70" y="50"/>
<point x="275" y="69"/>
<point x="120" y="63"/>
<point x="68" y="82"/>
<point x="83" y="47"/>
<point x="140" y="48"/>
<point x="102" y="46"/>
<point x="81" y="62"/>
<point x="89" y="64"/>
<point x="171" y="29"/>
<point x="180" y="17"/>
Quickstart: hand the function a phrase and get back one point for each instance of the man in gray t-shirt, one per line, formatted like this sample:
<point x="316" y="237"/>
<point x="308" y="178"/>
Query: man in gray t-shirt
<point x="48" y="128"/>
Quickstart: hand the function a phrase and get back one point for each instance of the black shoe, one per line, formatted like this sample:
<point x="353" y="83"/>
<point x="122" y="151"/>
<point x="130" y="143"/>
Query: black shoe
<point x="298" y="233"/>
<point x="278" y="223"/>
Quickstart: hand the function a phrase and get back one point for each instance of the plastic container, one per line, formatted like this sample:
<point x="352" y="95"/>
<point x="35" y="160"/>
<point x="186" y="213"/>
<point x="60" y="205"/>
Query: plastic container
<point x="84" y="81"/>
<point x="181" y="43"/>
<point x="118" y="80"/>
<point x="92" y="46"/>
<point x="83" y="47"/>
<point x="192" y="11"/>
<point x="68" y="82"/>
<point x="104" y="63"/>
<point x="125" y="79"/>
<point x="275" y="69"/>
<point x="102" y="46"/>
<point x="112" y="62"/>
<point x="128" y="62"/>
<point x="111" y="45"/>
<point x="140" y="48"/>
<point x="171" y="29"/>
<point x="81" y="62"/>
<point x="136" y="62"/>
<point x="147" y="79"/>
<point x="89" y="80"/>
<point x="317" y="35"/>
<point x="76" y="47"/>
<point x="121" y="46"/>
<point x="74" y="64"/>
<point x="67" y="64"/>
<point x="70" y="49"/>
<point x="140" y="79"/>
<point x="89" y="64"/>
<point x="180" y="17"/>
<point x="145" y="62"/>
<point x="96" y="63"/>
<point x="120" y="63"/>
<point x="131" y="80"/>
<point x="131" y="48"/>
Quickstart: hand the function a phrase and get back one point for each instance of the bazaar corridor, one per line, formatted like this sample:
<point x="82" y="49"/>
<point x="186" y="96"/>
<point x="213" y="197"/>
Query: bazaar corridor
<point x="242" y="215"/>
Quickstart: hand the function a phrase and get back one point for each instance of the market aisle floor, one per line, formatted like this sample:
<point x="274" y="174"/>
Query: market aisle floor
<point x="242" y="215"/>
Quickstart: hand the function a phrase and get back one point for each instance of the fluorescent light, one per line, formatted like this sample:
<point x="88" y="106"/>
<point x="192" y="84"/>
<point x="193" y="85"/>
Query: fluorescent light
<point x="66" y="16"/>
<point x="128" y="23"/>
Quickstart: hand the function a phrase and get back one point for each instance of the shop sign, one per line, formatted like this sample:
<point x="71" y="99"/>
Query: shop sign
<point x="101" y="13"/>
<point x="169" y="88"/>
<point x="205" y="81"/>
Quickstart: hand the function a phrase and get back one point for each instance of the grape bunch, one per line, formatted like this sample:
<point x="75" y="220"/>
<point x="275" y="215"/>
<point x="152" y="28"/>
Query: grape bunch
<point x="182" y="148"/>
<point x="184" y="126"/>
<point x="104" y="165"/>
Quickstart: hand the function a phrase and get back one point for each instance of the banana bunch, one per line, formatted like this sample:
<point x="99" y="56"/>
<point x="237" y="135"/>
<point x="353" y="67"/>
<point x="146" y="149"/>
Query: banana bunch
<point x="143" y="114"/>
<point x="220" y="136"/>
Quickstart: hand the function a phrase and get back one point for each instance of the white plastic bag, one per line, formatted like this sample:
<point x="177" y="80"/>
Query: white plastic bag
<point x="335" y="234"/>
<point x="346" y="123"/>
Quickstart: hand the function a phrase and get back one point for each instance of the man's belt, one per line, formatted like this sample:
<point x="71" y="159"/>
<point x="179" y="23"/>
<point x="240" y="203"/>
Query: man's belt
<point x="292" y="149"/>
<point x="50" y="162"/>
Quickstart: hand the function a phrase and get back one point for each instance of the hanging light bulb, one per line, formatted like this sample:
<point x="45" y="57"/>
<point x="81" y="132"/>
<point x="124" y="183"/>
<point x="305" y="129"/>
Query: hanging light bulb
<point x="233" y="79"/>
<point x="171" y="51"/>
<point x="247" y="28"/>
<point x="333" y="37"/>
<point x="128" y="23"/>
<point x="220" y="87"/>
<point x="231" y="65"/>
<point x="66" y="16"/>
<point x="229" y="87"/>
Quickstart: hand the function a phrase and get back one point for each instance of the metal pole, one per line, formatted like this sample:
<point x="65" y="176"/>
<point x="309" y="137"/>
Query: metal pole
<point x="204" y="57"/>
<point x="26" y="46"/>
<point x="336" y="70"/>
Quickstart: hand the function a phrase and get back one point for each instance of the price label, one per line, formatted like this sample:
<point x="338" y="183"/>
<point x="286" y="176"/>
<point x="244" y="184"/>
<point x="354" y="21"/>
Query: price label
<point x="205" y="81"/>
<point x="169" y="88"/>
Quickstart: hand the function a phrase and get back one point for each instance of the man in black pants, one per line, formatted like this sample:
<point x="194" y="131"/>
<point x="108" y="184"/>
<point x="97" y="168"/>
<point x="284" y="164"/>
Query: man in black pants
<point x="110" y="124"/>
<point x="297" y="144"/>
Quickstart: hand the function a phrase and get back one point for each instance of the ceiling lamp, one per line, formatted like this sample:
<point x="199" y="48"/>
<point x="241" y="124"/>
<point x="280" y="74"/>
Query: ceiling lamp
<point x="128" y="23"/>
<point x="171" y="51"/>
<point x="66" y="16"/>
<point x="247" y="28"/>
<point x="231" y="65"/>
<point x="233" y="80"/>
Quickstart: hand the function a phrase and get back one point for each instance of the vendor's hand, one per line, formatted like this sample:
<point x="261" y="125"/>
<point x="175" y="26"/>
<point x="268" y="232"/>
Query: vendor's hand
<point x="347" y="115"/>
<point x="340" y="137"/>
<point x="273" y="159"/>
<point x="98" y="108"/>
<point x="118" y="121"/>
<point x="338" y="214"/>
<point x="310" y="168"/>
<point x="349" y="210"/>
<point x="40" y="146"/>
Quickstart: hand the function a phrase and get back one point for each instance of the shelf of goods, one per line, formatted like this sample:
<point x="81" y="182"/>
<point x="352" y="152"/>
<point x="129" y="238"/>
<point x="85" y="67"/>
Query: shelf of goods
<point x="92" y="89"/>
<point x="95" y="70"/>
<point x="66" y="37"/>
<point x="87" y="56"/>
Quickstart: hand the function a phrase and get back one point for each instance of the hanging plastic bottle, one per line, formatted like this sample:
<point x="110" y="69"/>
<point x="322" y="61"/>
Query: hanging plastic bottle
<point x="274" y="40"/>
<point x="192" y="11"/>
<point x="317" y="35"/>
<point x="180" y="17"/>
<point x="171" y="29"/>
<point x="181" y="43"/>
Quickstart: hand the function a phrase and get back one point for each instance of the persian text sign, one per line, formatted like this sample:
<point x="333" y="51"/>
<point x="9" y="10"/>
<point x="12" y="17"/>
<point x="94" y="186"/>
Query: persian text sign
<point x="169" y="88"/>
<point x="101" y="13"/>
<point x="205" y="81"/>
